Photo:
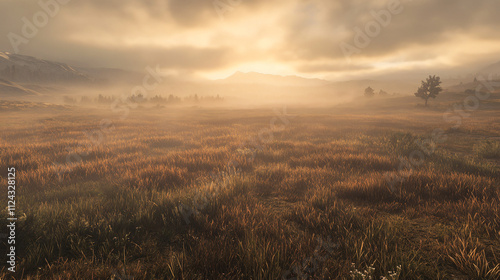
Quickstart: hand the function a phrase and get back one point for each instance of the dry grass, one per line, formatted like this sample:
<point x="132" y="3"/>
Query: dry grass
<point x="115" y="210"/>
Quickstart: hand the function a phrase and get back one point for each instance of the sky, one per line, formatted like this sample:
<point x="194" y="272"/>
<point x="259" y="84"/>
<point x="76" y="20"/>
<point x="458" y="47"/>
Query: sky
<point x="334" y="39"/>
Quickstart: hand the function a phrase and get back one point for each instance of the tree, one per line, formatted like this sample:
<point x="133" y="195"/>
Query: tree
<point x="382" y="93"/>
<point x="429" y="88"/>
<point x="69" y="100"/>
<point x="369" y="92"/>
<point x="85" y="99"/>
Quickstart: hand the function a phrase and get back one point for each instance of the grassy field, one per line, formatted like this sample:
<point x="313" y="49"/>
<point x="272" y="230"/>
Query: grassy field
<point x="270" y="193"/>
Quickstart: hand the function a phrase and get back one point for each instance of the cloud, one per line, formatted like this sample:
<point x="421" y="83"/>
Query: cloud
<point x="180" y="58"/>
<point x="419" y="24"/>
<point x="325" y="67"/>
<point x="304" y="35"/>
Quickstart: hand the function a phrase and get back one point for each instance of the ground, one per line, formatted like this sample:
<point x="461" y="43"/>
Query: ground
<point x="255" y="193"/>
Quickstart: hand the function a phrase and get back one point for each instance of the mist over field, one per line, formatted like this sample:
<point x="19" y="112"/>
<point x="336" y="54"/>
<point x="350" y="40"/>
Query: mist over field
<point x="169" y="139"/>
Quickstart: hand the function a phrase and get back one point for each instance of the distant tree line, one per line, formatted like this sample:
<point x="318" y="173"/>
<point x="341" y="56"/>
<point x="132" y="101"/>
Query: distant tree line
<point x="370" y="92"/>
<point x="157" y="99"/>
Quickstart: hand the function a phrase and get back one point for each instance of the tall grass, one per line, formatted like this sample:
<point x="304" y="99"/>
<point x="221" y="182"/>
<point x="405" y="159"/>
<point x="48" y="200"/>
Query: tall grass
<point x="116" y="212"/>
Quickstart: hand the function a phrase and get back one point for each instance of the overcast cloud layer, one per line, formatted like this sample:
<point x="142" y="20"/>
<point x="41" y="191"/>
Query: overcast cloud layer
<point x="305" y="37"/>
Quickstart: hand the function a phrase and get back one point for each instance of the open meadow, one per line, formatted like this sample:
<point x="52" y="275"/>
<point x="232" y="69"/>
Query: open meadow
<point x="250" y="140"/>
<point x="278" y="192"/>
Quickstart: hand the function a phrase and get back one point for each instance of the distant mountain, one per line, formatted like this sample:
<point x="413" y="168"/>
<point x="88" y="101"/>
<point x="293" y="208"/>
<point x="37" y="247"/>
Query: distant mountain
<point x="30" y="70"/>
<point x="8" y="88"/>
<point x="268" y="79"/>
<point x="470" y="82"/>
<point x="110" y="75"/>
<point x="491" y="69"/>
